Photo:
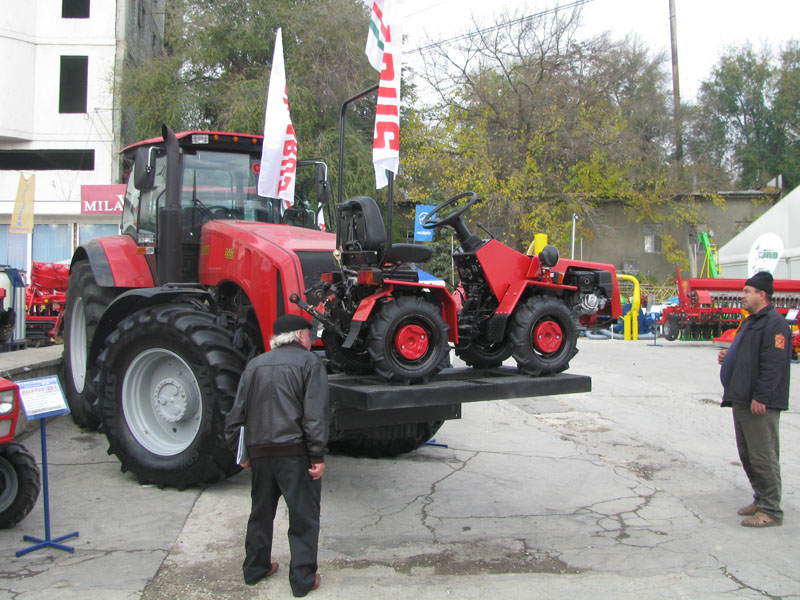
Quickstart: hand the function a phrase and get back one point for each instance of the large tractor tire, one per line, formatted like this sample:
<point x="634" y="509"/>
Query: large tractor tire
<point x="168" y="378"/>
<point x="386" y="441"/>
<point x="86" y="301"/>
<point x="345" y="360"/>
<point x="19" y="484"/>
<point x="543" y="336"/>
<point x="672" y="328"/>
<point x="480" y="354"/>
<point x="408" y="340"/>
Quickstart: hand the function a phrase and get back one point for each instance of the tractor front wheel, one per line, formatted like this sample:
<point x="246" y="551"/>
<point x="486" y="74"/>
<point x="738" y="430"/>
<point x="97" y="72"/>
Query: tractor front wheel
<point x="168" y="378"/>
<point x="19" y="483"/>
<point x="543" y="336"/>
<point x="86" y="301"/>
<point x="344" y="360"/>
<point x="408" y="340"/>
<point x="480" y="354"/>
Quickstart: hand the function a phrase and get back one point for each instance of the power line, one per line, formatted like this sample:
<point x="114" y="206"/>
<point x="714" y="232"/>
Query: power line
<point x="517" y="21"/>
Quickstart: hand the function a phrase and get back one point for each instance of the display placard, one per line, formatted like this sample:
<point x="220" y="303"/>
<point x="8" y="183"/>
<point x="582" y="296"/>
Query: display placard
<point x="42" y="397"/>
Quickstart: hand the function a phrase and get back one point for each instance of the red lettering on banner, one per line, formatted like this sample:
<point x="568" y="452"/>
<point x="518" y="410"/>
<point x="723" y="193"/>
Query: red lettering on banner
<point x="387" y="73"/>
<point x="288" y="168"/>
<point x="386" y="109"/>
<point x="384" y="129"/>
<point x="290" y="148"/>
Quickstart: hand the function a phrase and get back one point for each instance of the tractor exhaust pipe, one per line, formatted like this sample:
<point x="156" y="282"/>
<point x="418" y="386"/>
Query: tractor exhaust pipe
<point x="170" y="251"/>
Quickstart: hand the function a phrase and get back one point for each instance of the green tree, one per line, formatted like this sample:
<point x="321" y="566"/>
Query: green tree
<point x="746" y="121"/>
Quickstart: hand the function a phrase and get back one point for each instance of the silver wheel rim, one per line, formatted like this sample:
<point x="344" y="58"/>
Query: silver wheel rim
<point x="161" y="402"/>
<point x="77" y="345"/>
<point x="9" y="485"/>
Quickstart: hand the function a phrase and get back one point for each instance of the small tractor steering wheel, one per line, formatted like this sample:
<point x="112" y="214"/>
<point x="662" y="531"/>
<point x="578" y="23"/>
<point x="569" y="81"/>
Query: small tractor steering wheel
<point x="430" y="223"/>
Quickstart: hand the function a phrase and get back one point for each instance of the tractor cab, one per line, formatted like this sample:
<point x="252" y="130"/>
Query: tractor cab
<point x="217" y="179"/>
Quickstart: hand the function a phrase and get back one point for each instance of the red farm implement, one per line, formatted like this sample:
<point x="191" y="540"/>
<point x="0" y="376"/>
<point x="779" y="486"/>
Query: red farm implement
<point x="45" y="301"/>
<point x="709" y="307"/>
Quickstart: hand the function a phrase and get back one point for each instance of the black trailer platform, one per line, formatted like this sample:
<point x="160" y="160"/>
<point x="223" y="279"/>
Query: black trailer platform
<point x="450" y="387"/>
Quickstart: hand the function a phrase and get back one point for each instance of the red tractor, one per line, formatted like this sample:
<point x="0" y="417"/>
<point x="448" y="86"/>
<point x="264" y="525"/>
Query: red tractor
<point x="19" y="476"/>
<point x="379" y="315"/>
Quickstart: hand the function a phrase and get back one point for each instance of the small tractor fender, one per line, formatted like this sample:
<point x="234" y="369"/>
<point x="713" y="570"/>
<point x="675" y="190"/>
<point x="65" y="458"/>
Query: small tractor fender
<point x="133" y="300"/>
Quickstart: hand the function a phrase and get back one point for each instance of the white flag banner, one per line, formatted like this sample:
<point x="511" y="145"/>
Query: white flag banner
<point x="321" y="220"/>
<point x="277" y="176"/>
<point x="385" y="36"/>
<point x="376" y="36"/>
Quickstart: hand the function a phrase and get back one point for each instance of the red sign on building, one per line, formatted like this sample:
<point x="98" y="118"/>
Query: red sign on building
<point x="102" y="199"/>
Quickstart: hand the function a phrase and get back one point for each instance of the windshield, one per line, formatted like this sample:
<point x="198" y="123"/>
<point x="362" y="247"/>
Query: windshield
<point x="223" y="185"/>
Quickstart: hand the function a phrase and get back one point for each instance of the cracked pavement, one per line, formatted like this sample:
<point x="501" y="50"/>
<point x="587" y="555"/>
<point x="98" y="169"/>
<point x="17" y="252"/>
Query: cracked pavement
<point x="629" y="491"/>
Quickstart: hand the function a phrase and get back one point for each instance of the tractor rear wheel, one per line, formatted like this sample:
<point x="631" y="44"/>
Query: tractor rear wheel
<point x="85" y="303"/>
<point x="543" y="336"/>
<point x="19" y="483"/>
<point x="386" y="441"/>
<point x="672" y="328"/>
<point x="345" y="360"/>
<point x="408" y="340"/>
<point x="168" y="378"/>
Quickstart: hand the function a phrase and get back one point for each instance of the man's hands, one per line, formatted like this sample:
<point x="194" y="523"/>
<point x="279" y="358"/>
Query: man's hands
<point x="721" y="355"/>
<point x="757" y="408"/>
<point x="316" y="470"/>
<point x="245" y="464"/>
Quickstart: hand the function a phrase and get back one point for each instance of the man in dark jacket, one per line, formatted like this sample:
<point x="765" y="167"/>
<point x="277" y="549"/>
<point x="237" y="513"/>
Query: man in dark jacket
<point x="283" y="403"/>
<point x="755" y="377"/>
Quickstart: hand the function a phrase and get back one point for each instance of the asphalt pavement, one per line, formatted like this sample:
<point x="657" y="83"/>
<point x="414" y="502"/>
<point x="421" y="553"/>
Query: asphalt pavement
<point x="629" y="491"/>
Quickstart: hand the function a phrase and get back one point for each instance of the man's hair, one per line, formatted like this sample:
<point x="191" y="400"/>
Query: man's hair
<point x="285" y="338"/>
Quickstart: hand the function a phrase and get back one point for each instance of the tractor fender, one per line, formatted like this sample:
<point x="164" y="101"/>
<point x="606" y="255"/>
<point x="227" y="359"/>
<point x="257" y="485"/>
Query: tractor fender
<point x="115" y="262"/>
<point x="366" y="306"/>
<point x="133" y="300"/>
<point x="511" y="298"/>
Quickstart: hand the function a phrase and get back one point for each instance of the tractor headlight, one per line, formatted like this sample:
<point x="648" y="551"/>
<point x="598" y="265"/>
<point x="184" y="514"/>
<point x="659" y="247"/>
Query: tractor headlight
<point x="6" y="402"/>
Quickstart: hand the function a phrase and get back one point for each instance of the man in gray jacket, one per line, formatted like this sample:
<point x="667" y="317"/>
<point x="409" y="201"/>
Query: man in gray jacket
<point x="755" y="376"/>
<point x="283" y="403"/>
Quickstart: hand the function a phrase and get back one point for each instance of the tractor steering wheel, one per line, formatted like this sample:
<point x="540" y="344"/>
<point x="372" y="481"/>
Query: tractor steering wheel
<point x="430" y="223"/>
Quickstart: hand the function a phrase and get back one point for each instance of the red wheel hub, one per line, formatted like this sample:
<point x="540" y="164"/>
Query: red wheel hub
<point x="547" y="336"/>
<point x="411" y="342"/>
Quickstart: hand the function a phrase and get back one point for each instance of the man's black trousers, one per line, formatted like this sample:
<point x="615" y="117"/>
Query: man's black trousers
<point x="287" y="476"/>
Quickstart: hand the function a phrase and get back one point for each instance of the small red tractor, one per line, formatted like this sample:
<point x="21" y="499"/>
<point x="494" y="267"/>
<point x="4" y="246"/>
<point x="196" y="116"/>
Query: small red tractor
<point x="19" y="475"/>
<point x="380" y="316"/>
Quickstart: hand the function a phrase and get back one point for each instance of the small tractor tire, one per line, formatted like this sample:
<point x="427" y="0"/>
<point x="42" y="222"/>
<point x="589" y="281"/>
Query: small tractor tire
<point x="168" y="376"/>
<point x="479" y="354"/>
<point x="543" y="336"/>
<point x="386" y="441"/>
<point x="408" y="340"/>
<point x="672" y="328"/>
<point x="85" y="303"/>
<point x="345" y="360"/>
<point x="19" y="483"/>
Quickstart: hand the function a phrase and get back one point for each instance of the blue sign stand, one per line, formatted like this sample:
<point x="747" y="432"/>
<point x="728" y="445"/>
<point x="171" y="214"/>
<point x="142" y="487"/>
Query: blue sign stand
<point x="42" y="398"/>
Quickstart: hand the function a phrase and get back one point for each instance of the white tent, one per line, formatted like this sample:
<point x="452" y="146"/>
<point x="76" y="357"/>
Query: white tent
<point x="782" y="220"/>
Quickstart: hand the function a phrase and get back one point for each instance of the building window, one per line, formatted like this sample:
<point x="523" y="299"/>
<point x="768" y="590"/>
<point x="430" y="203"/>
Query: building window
<point x="652" y="238"/>
<point x="75" y="9"/>
<point x="46" y="160"/>
<point x="74" y="84"/>
<point x="51" y="243"/>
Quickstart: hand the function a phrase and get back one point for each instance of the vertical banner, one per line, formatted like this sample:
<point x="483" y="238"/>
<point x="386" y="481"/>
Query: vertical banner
<point x="22" y="217"/>
<point x="420" y="233"/>
<point x="279" y="152"/>
<point x="383" y="50"/>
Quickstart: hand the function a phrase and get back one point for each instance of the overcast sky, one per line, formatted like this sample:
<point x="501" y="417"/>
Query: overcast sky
<point x="705" y="27"/>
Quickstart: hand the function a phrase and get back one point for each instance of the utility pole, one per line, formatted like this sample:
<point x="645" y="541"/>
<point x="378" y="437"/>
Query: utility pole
<point x="676" y="92"/>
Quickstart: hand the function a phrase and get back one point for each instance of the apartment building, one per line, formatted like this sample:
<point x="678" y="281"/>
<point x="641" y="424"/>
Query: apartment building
<point x="60" y="117"/>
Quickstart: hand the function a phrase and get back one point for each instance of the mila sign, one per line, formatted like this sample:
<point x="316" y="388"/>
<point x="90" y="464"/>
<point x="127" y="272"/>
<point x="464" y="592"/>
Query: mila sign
<point x="102" y="199"/>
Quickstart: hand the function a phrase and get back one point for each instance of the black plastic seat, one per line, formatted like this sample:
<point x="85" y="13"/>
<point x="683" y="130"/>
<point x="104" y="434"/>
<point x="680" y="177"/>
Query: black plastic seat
<point x="408" y="253"/>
